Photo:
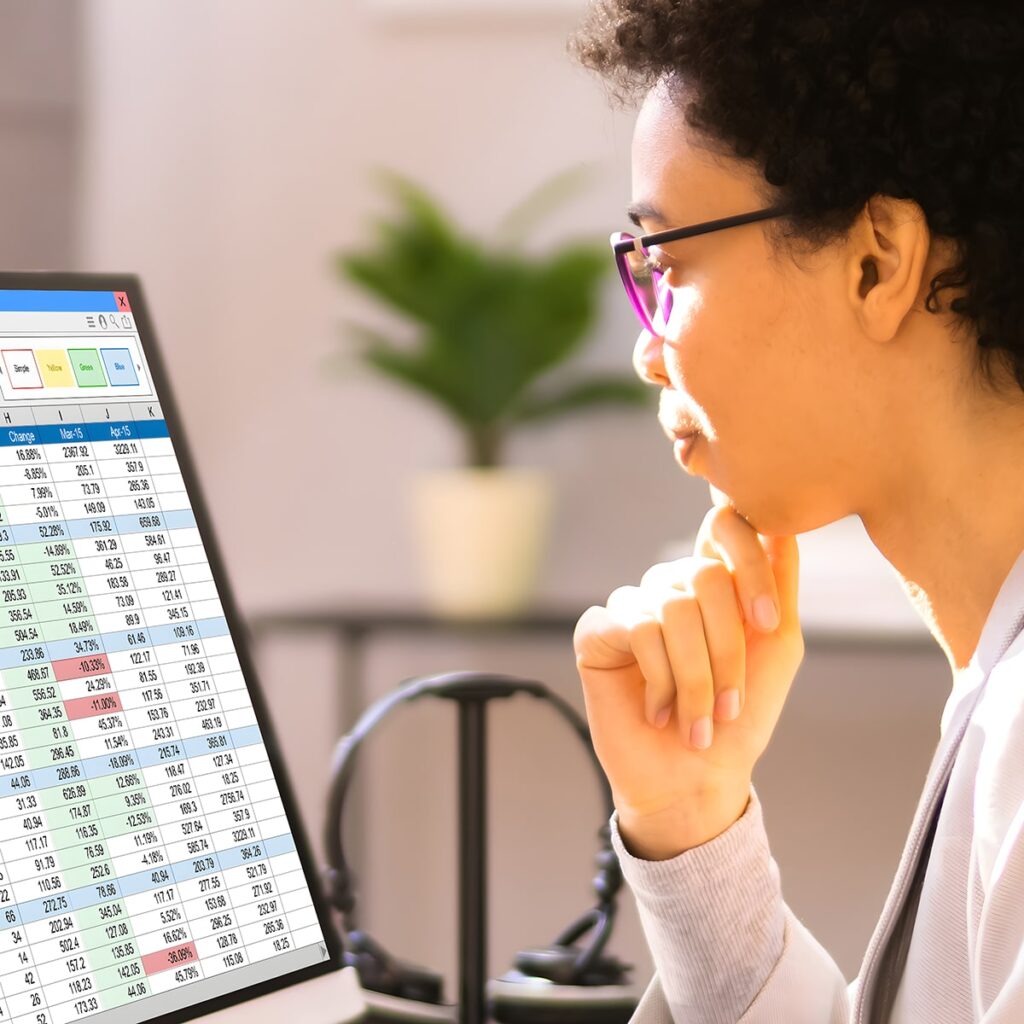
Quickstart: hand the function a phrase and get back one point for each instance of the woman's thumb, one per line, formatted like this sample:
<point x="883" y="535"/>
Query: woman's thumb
<point x="784" y="558"/>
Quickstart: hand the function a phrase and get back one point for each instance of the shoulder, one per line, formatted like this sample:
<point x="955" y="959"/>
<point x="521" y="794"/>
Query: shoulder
<point x="995" y="740"/>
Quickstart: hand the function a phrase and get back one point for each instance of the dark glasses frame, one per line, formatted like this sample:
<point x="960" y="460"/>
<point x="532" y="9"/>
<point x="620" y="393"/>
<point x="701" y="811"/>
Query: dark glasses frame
<point x="623" y="243"/>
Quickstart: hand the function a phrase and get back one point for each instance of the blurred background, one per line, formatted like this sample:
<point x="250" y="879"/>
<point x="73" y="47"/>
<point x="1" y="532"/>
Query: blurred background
<point x="223" y="152"/>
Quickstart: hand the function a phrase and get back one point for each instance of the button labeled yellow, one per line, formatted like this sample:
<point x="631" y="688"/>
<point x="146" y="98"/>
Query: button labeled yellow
<point x="55" y="368"/>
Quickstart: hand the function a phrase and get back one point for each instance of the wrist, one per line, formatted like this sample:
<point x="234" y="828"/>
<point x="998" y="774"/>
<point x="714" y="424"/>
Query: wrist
<point x="665" y="833"/>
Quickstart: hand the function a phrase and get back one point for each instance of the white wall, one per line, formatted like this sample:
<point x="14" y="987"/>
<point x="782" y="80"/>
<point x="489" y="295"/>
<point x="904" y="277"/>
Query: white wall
<point x="39" y="109"/>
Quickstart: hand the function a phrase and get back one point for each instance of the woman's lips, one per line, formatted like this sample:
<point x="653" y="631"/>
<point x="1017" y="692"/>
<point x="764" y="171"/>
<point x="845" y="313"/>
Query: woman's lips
<point x="683" y="446"/>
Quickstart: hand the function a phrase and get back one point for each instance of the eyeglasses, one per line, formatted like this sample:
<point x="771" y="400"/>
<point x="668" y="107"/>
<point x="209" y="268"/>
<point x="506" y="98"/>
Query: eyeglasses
<point x="644" y="279"/>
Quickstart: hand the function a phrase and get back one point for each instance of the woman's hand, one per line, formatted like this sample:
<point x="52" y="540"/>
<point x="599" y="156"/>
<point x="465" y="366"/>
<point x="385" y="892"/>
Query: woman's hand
<point x="664" y="665"/>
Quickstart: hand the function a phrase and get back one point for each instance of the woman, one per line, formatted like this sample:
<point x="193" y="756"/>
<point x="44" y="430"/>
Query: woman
<point x="856" y="347"/>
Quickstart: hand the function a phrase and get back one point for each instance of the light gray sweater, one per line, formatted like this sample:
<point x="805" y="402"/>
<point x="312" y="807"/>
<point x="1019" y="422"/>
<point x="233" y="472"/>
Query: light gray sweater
<point x="728" y="950"/>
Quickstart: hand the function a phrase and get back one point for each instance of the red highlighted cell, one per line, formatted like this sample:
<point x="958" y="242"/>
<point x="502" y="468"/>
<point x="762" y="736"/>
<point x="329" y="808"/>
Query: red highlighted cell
<point x="89" y="707"/>
<point x="76" y="668"/>
<point x="165" y="959"/>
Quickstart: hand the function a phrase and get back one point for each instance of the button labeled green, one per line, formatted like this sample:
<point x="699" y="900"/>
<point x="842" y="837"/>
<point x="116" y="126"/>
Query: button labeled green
<point x="88" y="368"/>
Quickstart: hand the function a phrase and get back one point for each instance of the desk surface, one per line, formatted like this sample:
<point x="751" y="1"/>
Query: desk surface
<point x="835" y="614"/>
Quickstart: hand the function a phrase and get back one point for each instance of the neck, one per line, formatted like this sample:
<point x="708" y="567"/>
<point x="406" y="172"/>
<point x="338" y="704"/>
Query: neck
<point x="951" y="520"/>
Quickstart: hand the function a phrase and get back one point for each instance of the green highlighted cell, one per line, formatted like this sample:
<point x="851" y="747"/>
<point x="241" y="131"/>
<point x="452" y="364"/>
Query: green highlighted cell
<point x="88" y="367"/>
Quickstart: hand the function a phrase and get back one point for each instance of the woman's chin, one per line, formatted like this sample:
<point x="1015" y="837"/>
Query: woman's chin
<point x="718" y="497"/>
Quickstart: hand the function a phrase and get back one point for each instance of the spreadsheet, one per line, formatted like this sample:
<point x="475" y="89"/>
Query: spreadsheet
<point x="146" y="859"/>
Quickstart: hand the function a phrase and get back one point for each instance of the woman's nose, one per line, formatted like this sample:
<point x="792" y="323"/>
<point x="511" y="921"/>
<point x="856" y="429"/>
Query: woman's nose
<point x="648" y="361"/>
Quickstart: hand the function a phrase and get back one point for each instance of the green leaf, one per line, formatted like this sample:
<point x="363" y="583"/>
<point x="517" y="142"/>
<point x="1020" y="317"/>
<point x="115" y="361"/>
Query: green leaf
<point x="410" y="369"/>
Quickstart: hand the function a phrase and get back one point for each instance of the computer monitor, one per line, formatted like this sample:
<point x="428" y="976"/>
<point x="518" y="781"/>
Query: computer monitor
<point x="152" y="865"/>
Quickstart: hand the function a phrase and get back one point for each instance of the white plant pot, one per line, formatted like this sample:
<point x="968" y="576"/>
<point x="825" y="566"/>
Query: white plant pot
<point x="480" y="535"/>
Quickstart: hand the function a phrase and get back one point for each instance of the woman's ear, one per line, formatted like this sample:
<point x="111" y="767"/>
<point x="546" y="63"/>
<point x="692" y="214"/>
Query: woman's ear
<point x="890" y="241"/>
<point x="869" y="277"/>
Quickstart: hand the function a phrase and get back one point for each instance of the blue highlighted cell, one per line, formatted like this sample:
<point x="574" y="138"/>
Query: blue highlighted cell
<point x="53" y="433"/>
<point x="120" y="367"/>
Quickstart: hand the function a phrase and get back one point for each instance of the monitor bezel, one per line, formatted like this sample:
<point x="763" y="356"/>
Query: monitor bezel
<point x="131" y="285"/>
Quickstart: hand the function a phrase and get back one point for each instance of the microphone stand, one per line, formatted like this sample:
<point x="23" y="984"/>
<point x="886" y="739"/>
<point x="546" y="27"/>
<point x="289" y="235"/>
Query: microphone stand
<point x="472" y="853"/>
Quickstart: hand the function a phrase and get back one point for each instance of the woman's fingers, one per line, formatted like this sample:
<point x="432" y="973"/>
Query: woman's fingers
<point x="716" y="630"/>
<point x="601" y="640"/>
<point x="784" y="555"/>
<point x="682" y="626"/>
<point x="632" y="607"/>
<point x="723" y="633"/>
<point x="726" y="535"/>
<point x="686" y="633"/>
<point x="649" y="650"/>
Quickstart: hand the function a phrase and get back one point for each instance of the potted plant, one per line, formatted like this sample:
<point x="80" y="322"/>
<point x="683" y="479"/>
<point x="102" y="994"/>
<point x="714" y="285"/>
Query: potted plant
<point x="491" y="324"/>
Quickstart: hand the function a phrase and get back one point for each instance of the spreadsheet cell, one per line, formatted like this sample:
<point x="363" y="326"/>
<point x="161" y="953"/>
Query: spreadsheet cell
<point x="154" y="447"/>
<point x="259" y="772"/>
<point x="164" y="464"/>
<point x="232" y="699"/>
<point x="186" y="540"/>
<point x="227" y="662"/>
<point x="192" y="574"/>
<point x="212" y="609"/>
<point x="190" y="554"/>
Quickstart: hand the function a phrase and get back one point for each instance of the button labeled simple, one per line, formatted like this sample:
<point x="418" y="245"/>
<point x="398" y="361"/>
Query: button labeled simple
<point x="120" y="367"/>
<point x="21" y="368"/>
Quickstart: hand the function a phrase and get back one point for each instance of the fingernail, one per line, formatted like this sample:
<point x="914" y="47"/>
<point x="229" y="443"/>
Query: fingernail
<point x="700" y="733"/>
<point x="727" y="704"/>
<point x="765" y="613"/>
<point x="662" y="717"/>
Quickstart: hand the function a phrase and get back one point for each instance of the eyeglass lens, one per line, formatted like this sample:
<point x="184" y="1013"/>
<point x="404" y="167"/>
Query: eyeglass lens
<point x="650" y="288"/>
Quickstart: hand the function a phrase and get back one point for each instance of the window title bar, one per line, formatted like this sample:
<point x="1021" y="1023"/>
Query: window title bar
<point x="45" y="301"/>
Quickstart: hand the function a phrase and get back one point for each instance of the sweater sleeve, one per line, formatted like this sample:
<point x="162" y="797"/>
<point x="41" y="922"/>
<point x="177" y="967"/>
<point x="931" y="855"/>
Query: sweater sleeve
<point x="726" y="947"/>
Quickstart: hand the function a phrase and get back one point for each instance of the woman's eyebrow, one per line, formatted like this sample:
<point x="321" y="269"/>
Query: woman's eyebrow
<point x="645" y="211"/>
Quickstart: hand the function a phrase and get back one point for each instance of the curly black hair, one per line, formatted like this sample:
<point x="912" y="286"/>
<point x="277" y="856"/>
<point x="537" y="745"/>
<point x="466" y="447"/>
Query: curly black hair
<point x="839" y="100"/>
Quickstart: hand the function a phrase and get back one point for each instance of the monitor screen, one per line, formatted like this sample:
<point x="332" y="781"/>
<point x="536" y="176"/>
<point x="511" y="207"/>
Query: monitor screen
<point x="148" y="860"/>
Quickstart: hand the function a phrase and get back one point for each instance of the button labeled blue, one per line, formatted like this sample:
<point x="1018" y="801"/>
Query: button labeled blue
<point x="120" y="368"/>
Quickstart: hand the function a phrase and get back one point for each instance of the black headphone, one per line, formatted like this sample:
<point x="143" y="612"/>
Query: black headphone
<point x="557" y="984"/>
